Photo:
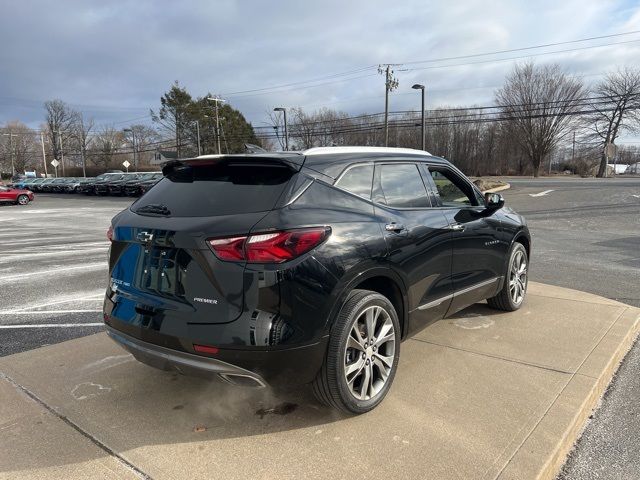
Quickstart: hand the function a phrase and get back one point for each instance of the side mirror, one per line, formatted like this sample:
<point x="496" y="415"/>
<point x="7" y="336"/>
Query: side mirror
<point x="494" y="201"/>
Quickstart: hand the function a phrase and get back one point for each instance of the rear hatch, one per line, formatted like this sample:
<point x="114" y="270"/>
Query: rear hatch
<point x="161" y="264"/>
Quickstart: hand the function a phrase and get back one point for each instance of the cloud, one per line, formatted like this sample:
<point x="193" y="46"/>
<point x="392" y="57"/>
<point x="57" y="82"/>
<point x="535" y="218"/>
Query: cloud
<point x="114" y="60"/>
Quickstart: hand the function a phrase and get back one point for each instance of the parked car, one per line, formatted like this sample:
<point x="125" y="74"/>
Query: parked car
<point x="306" y="267"/>
<point x="102" y="187"/>
<point x="15" y="195"/>
<point x="117" y="187"/>
<point x="88" y="187"/>
<point x="144" y="182"/>
<point x="56" y="185"/>
<point x="74" y="186"/>
<point x="26" y="182"/>
<point x="42" y="186"/>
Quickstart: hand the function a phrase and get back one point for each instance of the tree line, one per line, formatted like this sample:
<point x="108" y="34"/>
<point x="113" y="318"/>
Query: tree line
<point x="541" y="118"/>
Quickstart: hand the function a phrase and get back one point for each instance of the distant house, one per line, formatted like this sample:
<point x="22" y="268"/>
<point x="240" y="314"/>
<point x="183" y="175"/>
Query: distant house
<point x="163" y="156"/>
<point x="618" y="168"/>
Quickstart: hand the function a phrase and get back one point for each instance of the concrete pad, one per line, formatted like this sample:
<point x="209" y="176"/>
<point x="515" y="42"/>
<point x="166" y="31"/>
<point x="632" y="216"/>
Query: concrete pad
<point x="547" y="331"/>
<point x="494" y="395"/>
<point x="34" y="443"/>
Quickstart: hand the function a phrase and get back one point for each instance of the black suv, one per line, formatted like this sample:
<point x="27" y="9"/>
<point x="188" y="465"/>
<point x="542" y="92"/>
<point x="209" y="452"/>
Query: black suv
<point x="306" y="267"/>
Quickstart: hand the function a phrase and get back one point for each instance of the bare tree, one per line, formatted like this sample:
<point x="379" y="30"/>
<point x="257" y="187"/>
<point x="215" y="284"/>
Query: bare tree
<point x="81" y="132"/>
<point x="615" y="106"/>
<point x="61" y="120"/>
<point x="18" y="148"/>
<point x="141" y="138"/>
<point x="105" y="146"/>
<point x="539" y="102"/>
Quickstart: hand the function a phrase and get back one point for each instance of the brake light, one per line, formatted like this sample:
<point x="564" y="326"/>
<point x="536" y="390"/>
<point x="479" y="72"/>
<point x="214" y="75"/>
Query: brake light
<point x="110" y="233"/>
<point x="271" y="247"/>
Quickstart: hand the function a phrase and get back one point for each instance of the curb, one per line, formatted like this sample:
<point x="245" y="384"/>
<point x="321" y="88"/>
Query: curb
<point x="498" y="189"/>
<point x="591" y="403"/>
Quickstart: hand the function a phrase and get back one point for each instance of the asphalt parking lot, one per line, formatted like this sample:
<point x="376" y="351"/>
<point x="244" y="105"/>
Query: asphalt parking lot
<point x="53" y="268"/>
<point x="585" y="233"/>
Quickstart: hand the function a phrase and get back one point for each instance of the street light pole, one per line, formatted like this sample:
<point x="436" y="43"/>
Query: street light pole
<point x="216" y="99"/>
<point x="417" y="86"/>
<point x="286" y="132"/>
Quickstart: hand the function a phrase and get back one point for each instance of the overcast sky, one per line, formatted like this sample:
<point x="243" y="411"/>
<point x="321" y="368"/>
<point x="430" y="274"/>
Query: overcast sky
<point x="114" y="59"/>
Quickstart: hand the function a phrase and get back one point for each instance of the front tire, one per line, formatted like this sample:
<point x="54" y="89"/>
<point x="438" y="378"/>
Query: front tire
<point x="362" y="356"/>
<point x="22" y="200"/>
<point x="513" y="292"/>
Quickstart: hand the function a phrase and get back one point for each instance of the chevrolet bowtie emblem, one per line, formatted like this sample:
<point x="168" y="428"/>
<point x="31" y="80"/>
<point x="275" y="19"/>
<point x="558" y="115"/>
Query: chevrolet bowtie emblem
<point x="144" y="236"/>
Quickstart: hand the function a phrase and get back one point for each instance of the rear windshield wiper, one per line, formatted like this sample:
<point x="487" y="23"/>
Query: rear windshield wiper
<point x="155" y="209"/>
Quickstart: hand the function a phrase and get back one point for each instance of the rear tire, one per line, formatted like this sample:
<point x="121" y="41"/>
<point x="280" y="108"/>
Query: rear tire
<point x="362" y="356"/>
<point x="514" y="290"/>
<point x="22" y="200"/>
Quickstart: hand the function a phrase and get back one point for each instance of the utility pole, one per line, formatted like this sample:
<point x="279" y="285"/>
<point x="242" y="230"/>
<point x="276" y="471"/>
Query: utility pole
<point x="286" y="133"/>
<point x="59" y="132"/>
<point x="198" y="132"/>
<point x="390" y="84"/>
<point x="133" y="144"/>
<point x="216" y="99"/>
<point x="573" y="148"/>
<point x="44" y="156"/>
<point x="61" y="152"/>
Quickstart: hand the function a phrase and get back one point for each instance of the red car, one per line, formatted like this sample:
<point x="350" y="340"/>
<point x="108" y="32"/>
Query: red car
<point x="15" y="195"/>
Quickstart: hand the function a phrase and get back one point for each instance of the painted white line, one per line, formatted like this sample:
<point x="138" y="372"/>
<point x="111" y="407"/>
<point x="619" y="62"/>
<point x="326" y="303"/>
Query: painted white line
<point x="47" y="312"/>
<point x="637" y="196"/>
<point x="92" y="296"/>
<point x="33" y="241"/>
<point x="541" y="194"/>
<point x="64" y="253"/>
<point x="52" y="271"/>
<point x="53" y="325"/>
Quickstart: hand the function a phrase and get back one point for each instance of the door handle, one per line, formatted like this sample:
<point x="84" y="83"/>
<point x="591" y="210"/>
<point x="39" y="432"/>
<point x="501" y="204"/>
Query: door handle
<point x="394" y="227"/>
<point x="457" y="227"/>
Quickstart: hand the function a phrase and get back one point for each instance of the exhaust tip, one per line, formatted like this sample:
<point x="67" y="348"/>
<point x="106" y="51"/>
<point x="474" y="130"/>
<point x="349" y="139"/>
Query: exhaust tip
<point x="242" y="380"/>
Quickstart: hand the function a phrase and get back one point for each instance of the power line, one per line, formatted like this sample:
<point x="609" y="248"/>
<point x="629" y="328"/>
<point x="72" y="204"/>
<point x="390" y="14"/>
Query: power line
<point x="496" y="60"/>
<point x="433" y="60"/>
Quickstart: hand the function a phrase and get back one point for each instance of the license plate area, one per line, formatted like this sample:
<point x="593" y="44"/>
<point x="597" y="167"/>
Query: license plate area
<point x="162" y="271"/>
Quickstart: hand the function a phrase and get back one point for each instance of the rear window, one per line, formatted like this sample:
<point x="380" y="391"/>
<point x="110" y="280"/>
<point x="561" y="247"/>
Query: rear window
<point x="209" y="190"/>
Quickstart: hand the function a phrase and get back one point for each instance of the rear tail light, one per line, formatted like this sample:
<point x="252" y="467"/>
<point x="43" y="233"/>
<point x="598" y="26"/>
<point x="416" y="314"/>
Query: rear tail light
<point x="271" y="247"/>
<point x="110" y="233"/>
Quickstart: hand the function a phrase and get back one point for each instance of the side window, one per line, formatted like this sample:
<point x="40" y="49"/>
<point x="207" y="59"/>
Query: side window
<point x="452" y="190"/>
<point x="357" y="180"/>
<point x="402" y="186"/>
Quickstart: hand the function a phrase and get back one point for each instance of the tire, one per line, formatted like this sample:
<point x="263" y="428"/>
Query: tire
<point x="22" y="200"/>
<point x="513" y="292"/>
<point x="346" y="352"/>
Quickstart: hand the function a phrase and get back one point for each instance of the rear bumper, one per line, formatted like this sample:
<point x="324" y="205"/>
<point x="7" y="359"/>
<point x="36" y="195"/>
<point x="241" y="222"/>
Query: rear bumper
<point x="185" y="363"/>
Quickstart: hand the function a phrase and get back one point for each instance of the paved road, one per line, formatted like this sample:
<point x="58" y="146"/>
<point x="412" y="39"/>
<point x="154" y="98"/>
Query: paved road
<point x="586" y="236"/>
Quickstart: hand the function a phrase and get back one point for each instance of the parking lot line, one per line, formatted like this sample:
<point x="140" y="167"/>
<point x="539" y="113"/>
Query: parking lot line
<point x="94" y="296"/>
<point x="49" y="312"/>
<point x="53" y="325"/>
<point x="50" y="271"/>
